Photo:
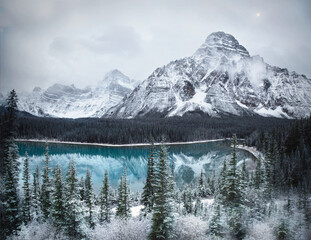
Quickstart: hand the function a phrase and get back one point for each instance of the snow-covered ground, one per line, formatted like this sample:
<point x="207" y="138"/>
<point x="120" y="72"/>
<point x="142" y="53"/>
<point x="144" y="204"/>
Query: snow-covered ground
<point x="135" y="211"/>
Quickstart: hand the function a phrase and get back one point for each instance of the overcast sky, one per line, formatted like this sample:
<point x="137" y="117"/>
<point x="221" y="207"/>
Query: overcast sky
<point x="77" y="41"/>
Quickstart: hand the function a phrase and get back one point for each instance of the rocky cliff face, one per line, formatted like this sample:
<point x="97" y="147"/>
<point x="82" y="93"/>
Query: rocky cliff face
<point x="219" y="78"/>
<point x="71" y="102"/>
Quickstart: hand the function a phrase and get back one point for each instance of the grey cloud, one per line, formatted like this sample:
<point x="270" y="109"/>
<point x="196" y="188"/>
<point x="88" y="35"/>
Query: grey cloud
<point x="78" y="41"/>
<point x="121" y="41"/>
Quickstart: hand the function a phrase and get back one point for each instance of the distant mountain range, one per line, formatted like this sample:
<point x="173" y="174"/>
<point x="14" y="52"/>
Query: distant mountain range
<point x="71" y="102"/>
<point x="220" y="78"/>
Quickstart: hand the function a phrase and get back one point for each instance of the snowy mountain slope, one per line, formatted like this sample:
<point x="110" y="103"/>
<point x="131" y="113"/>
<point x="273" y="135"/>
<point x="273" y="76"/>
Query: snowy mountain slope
<point x="219" y="78"/>
<point x="71" y="102"/>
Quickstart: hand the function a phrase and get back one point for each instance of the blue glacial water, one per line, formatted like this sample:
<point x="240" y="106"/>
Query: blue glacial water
<point x="189" y="160"/>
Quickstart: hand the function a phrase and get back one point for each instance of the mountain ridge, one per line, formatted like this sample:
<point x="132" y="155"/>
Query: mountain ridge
<point x="68" y="101"/>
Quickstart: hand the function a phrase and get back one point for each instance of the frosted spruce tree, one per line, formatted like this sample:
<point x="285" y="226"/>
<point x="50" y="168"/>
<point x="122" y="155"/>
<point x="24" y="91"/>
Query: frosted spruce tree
<point x="58" y="198"/>
<point x="89" y="199"/>
<point x="82" y="188"/>
<point x="104" y="201"/>
<point x="162" y="218"/>
<point x="9" y="169"/>
<point x="234" y="199"/>
<point x="187" y="200"/>
<point x="221" y="193"/>
<point x="148" y="190"/>
<point x="36" y="193"/>
<point x="201" y="186"/>
<point x="74" y="212"/>
<point x="123" y="207"/>
<point x="11" y="200"/>
<point x="215" y="226"/>
<point x="26" y="190"/>
<point x="46" y="186"/>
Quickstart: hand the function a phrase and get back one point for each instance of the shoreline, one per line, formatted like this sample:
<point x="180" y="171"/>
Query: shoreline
<point x="251" y="150"/>
<point x="118" y="145"/>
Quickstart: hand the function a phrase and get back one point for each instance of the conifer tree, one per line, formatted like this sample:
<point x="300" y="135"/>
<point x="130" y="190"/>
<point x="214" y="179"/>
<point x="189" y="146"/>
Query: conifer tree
<point x="74" y="213"/>
<point x="215" y="226"/>
<point x="211" y="184"/>
<point x="233" y="200"/>
<point x="259" y="175"/>
<point x="201" y="186"/>
<point x="221" y="185"/>
<point x="9" y="169"/>
<point x="148" y="190"/>
<point x="233" y="179"/>
<point x="58" y="198"/>
<point x="11" y="200"/>
<point x="82" y="188"/>
<point x="162" y="218"/>
<point x="104" y="201"/>
<point x="46" y="186"/>
<point x="89" y="200"/>
<point x="198" y="207"/>
<point x="27" y="193"/>
<point x="123" y="207"/>
<point x="36" y="194"/>
<point x="120" y="207"/>
<point x="187" y="200"/>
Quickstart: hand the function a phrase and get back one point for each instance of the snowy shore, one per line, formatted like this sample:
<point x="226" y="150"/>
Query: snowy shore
<point x="117" y="145"/>
<point x="257" y="154"/>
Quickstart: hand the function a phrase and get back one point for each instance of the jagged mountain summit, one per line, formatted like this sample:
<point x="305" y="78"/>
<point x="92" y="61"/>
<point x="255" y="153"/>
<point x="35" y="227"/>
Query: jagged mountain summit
<point x="220" y="78"/>
<point x="71" y="102"/>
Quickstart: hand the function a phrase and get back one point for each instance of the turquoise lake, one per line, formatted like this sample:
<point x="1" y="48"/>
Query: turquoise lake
<point x="189" y="160"/>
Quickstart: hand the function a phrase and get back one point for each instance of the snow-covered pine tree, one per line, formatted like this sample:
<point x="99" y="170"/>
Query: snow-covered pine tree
<point x="11" y="200"/>
<point x="233" y="187"/>
<point x="162" y="218"/>
<point x="89" y="199"/>
<point x="120" y="207"/>
<point x="188" y="200"/>
<point x="148" y="190"/>
<point x="233" y="200"/>
<point x="198" y="207"/>
<point x="46" y="186"/>
<point x="201" y="186"/>
<point x="215" y="227"/>
<point x="268" y="172"/>
<point x="36" y="194"/>
<point x="211" y="184"/>
<point x="27" y="193"/>
<point x="82" y="188"/>
<point x="126" y="196"/>
<point x="104" y="201"/>
<point x="9" y="165"/>
<point x="123" y="207"/>
<point x="58" y="198"/>
<point x="74" y="213"/>
<point x="259" y="174"/>
<point x="221" y="193"/>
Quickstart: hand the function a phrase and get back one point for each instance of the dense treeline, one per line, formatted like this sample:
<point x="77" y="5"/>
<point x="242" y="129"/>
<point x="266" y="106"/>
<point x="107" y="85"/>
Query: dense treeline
<point x="118" y="131"/>
<point x="289" y="153"/>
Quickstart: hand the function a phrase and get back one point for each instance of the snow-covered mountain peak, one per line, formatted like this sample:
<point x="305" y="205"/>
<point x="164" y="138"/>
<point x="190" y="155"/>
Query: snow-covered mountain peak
<point x="218" y="44"/>
<point x="221" y="78"/>
<point x="37" y="90"/>
<point x="116" y="78"/>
